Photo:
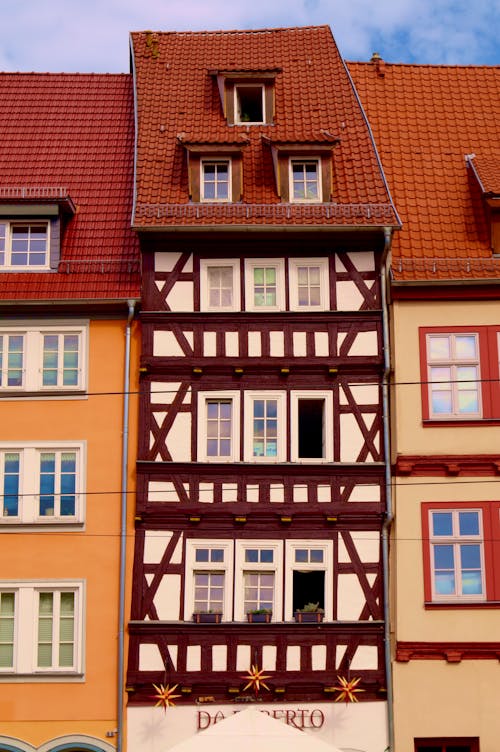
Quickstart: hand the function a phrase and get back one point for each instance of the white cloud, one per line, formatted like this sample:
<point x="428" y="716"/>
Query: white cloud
<point x="92" y="35"/>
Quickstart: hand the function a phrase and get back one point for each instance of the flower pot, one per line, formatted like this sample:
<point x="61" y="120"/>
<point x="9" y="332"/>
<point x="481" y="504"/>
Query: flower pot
<point x="309" y="617"/>
<point x="259" y="618"/>
<point x="200" y="618"/>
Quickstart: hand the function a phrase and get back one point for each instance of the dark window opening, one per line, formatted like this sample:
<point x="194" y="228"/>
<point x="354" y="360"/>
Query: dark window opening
<point x="447" y="745"/>
<point x="311" y="428"/>
<point x="249" y="104"/>
<point x="308" y="587"/>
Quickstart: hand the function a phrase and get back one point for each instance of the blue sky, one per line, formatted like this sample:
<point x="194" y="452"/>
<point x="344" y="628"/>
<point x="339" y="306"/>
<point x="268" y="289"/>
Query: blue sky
<point x="92" y="35"/>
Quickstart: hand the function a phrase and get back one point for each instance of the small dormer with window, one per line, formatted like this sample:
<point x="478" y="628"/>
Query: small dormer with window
<point x="215" y="172"/>
<point x="303" y="172"/>
<point x="30" y="228"/>
<point x="247" y="96"/>
<point x="486" y="172"/>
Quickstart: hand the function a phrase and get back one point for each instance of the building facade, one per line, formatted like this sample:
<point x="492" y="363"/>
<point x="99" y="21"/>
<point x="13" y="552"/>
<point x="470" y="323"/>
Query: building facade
<point x="439" y="143"/>
<point x="69" y="283"/>
<point x="263" y="217"/>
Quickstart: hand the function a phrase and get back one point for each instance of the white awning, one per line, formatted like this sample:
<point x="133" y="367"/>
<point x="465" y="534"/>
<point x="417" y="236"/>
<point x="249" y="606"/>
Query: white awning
<point x="252" y="730"/>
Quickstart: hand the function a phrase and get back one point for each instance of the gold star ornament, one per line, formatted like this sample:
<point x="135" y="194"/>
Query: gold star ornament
<point x="347" y="689"/>
<point x="255" y="678"/>
<point x="164" y="696"/>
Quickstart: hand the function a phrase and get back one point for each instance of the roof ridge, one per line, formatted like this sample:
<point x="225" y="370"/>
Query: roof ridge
<point x="421" y="65"/>
<point x="218" y="32"/>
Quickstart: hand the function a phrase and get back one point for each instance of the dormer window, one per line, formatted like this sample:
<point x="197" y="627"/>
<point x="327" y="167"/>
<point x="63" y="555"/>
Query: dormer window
<point x="305" y="184"/>
<point x="249" y="103"/>
<point x="247" y="96"/>
<point x="24" y="245"/>
<point x="215" y="180"/>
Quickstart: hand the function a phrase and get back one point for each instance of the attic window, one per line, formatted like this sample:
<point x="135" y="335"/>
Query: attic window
<point x="216" y="180"/>
<point x="305" y="180"/>
<point x="249" y="103"/>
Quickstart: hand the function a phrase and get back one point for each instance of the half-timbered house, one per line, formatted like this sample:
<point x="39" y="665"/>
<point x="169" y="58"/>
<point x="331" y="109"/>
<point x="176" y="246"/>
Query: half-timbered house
<point x="264" y="220"/>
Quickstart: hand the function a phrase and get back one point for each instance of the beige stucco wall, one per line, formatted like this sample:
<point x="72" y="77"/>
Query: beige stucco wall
<point x="435" y="698"/>
<point x="412" y="621"/>
<point x="410" y="436"/>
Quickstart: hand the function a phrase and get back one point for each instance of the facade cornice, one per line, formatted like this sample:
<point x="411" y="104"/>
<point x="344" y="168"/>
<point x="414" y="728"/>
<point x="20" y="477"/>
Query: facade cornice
<point x="447" y="465"/>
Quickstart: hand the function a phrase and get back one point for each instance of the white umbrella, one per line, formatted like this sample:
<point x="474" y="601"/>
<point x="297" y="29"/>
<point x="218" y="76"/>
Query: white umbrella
<point x="251" y="730"/>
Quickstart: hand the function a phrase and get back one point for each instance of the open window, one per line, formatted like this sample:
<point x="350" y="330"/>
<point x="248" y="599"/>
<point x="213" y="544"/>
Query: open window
<point x="249" y="103"/>
<point x="247" y="96"/>
<point x="312" y="426"/>
<point x="309" y="576"/>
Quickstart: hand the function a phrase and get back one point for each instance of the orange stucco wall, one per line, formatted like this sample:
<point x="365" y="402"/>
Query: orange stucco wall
<point x="38" y="711"/>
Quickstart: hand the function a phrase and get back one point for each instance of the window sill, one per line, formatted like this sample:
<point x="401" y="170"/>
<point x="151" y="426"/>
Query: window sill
<point x="36" y="525"/>
<point x="459" y="604"/>
<point x="448" y="422"/>
<point x="49" y="677"/>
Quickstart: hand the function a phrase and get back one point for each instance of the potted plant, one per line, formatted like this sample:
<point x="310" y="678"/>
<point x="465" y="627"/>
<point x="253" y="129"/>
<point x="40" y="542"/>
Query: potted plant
<point x="260" y="615"/>
<point x="310" y="613"/>
<point x="207" y="617"/>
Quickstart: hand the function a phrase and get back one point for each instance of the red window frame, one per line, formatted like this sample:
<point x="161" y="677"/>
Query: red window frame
<point x="490" y="511"/>
<point x="488" y="372"/>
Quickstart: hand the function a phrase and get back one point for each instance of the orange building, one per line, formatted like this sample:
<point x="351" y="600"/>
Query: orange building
<point x="69" y="284"/>
<point x="438" y="132"/>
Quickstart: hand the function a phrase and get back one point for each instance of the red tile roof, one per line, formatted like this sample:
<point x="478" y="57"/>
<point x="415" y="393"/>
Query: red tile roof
<point x="426" y="120"/>
<point x="73" y="133"/>
<point x="177" y="95"/>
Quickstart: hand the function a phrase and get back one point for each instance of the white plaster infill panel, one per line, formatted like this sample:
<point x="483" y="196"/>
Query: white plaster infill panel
<point x="354" y="726"/>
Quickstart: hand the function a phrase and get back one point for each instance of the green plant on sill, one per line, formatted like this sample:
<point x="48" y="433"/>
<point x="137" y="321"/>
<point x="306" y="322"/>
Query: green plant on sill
<point x="310" y="608"/>
<point x="260" y="611"/>
<point x="208" y="612"/>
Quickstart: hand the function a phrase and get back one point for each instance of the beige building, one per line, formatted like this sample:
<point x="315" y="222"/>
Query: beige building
<point x="438" y="133"/>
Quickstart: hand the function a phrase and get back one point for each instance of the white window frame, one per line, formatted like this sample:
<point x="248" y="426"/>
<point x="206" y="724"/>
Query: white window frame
<point x="203" y="399"/>
<point x="242" y="567"/>
<point x="250" y="266"/>
<point x="249" y="399"/>
<point x="9" y="225"/>
<point x="33" y="338"/>
<point x="453" y="363"/>
<point x="205" y="266"/>
<point x="305" y="160"/>
<point x="237" y="118"/>
<point x="192" y="566"/>
<point x="215" y="161"/>
<point x="26" y="611"/>
<point x="324" y="288"/>
<point x="29" y="483"/>
<point x="295" y="397"/>
<point x="326" y="566"/>
<point x="456" y="541"/>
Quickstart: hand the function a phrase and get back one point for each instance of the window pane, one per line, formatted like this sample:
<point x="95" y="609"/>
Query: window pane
<point x="267" y="555"/>
<point x="439" y="348"/>
<point x="45" y="624"/>
<point x="301" y="555"/>
<point x="201" y="554"/>
<point x="465" y="346"/>
<point x="316" y="555"/>
<point x="7" y="603"/>
<point x="468" y="523"/>
<point x="11" y="484"/>
<point x="252" y="555"/>
<point x="442" y="523"/>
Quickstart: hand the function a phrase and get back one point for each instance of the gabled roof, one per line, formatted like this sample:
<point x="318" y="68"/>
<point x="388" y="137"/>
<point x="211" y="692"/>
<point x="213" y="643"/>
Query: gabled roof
<point x="178" y="102"/>
<point x="69" y="138"/>
<point x="427" y="121"/>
